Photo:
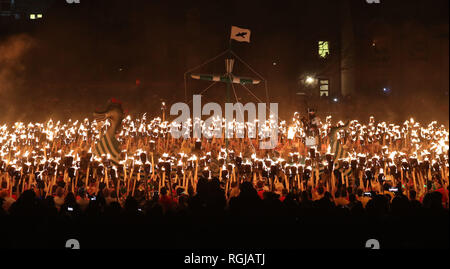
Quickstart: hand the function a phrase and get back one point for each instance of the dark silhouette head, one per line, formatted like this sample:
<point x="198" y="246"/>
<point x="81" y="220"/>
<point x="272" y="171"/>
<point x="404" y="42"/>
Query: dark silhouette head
<point x="433" y="200"/>
<point x="163" y="191"/>
<point x="70" y="198"/>
<point x="247" y="190"/>
<point x="320" y="190"/>
<point x="412" y="194"/>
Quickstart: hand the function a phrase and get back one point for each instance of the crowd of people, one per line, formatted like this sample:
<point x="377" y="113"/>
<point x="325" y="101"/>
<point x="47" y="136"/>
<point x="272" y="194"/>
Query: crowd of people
<point x="216" y="186"/>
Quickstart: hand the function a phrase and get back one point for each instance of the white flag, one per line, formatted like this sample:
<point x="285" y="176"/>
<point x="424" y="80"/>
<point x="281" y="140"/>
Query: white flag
<point x="240" y="34"/>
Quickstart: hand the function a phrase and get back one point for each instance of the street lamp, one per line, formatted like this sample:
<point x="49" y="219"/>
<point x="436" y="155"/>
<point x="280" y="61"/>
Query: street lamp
<point x="309" y="80"/>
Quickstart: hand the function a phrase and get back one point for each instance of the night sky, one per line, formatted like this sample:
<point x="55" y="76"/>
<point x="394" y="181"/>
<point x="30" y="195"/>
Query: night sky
<point x="79" y="55"/>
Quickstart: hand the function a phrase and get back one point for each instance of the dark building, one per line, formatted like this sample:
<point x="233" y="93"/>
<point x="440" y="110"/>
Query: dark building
<point x="396" y="48"/>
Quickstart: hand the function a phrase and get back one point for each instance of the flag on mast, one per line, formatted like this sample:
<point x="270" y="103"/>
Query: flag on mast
<point x="240" y="34"/>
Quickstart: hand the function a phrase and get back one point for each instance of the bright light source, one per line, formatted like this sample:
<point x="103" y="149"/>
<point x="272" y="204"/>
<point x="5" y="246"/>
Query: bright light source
<point x="32" y="16"/>
<point x="335" y="100"/>
<point x="324" y="50"/>
<point x="309" y="80"/>
<point x="39" y="16"/>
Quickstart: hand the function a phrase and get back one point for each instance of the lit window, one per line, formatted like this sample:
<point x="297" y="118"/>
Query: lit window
<point x="39" y="16"/>
<point x="32" y="16"/>
<point x="324" y="50"/>
<point x="324" y="87"/>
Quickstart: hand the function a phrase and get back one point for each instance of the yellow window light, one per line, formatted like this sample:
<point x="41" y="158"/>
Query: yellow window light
<point x="323" y="49"/>
<point x="39" y="16"/>
<point x="32" y="16"/>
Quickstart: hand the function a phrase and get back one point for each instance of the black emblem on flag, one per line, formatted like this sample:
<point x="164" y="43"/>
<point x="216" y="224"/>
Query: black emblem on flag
<point x="242" y="34"/>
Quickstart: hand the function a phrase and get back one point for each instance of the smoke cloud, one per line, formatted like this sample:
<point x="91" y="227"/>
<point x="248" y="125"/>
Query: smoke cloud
<point x="12" y="69"/>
